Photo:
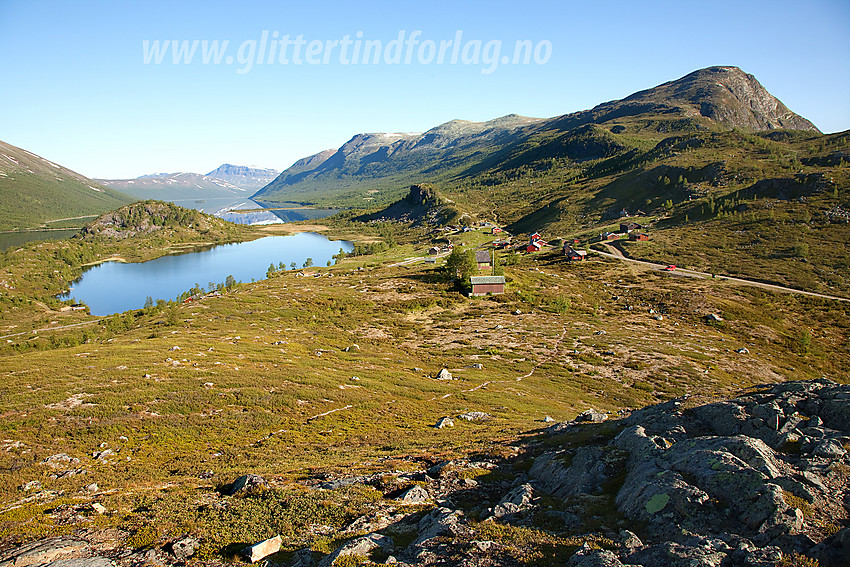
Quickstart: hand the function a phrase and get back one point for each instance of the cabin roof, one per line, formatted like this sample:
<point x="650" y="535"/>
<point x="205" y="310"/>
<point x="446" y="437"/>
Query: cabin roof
<point x="482" y="256"/>
<point x="484" y="280"/>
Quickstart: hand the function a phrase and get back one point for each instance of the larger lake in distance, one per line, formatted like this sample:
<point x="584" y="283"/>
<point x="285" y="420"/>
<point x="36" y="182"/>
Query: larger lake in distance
<point x="113" y="287"/>
<point x="226" y="208"/>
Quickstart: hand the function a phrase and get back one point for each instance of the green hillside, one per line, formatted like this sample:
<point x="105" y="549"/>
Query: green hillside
<point x="375" y="169"/>
<point x="768" y="205"/>
<point x="34" y="190"/>
<point x="713" y="192"/>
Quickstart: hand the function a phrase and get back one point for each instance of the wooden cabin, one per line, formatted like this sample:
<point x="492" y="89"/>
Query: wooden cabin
<point x="482" y="285"/>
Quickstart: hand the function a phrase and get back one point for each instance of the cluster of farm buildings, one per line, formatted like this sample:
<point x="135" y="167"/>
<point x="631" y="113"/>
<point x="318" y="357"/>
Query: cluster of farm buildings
<point x="493" y="284"/>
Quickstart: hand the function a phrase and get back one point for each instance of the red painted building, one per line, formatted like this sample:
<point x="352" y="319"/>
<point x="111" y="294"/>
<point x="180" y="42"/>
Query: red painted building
<point x="534" y="246"/>
<point x="482" y="285"/>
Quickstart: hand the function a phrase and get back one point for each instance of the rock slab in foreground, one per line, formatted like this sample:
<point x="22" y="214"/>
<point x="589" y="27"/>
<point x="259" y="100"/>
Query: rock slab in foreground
<point x="41" y="552"/>
<point x="738" y="482"/>
<point x="263" y="549"/>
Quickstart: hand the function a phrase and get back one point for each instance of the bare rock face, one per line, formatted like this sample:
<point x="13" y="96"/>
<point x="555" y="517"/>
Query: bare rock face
<point x="736" y="482"/>
<point x="727" y="95"/>
<point x="516" y="501"/>
<point x="440" y="522"/>
<point x="589" y="468"/>
<point x="415" y="495"/>
<point x="41" y="552"/>
<point x="594" y="558"/>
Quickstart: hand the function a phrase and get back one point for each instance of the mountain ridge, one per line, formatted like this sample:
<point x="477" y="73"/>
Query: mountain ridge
<point x="244" y="176"/>
<point x="382" y="164"/>
<point x="394" y="156"/>
<point x="227" y="180"/>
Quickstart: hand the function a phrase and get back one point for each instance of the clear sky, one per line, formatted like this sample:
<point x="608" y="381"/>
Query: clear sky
<point x="78" y="85"/>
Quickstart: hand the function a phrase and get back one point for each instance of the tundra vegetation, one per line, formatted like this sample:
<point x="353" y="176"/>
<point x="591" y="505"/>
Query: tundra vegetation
<point x="306" y="379"/>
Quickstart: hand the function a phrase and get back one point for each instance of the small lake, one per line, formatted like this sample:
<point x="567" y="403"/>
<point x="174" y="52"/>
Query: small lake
<point x="113" y="287"/>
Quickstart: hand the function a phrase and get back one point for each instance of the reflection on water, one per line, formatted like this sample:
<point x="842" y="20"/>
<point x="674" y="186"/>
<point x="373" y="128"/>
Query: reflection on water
<point x="224" y="207"/>
<point x="114" y="287"/>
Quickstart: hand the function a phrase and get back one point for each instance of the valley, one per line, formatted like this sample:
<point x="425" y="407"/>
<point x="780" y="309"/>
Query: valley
<point x="317" y="372"/>
<point x="662" y="381"/>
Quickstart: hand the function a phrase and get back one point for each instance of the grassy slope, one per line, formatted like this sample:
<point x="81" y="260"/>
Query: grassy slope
<point x="259" y="369"/>
<point x="33" y="191"/>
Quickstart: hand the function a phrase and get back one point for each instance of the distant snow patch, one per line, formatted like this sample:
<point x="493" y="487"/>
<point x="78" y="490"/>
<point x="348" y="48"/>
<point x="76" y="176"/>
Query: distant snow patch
<point x="13" y="160"/>
<point x="95" y="189"/>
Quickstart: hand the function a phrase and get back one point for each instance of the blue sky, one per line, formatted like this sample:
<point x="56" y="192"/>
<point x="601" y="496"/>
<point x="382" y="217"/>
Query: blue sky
<point x="76" y="89"/>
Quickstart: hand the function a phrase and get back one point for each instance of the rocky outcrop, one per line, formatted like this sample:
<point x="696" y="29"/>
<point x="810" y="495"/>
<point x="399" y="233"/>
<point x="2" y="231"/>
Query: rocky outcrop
<point x="144" y="218"/>
<point x="54" y="552"/>
<point x="41" y="552"/>
<point x="745" y="482"/>
<point x="360" y="547"/>
<point x="440" y="522"/>
<point x="741" y="482"/>
<point x="737" y="482"/>
<point x="247" y="484"/>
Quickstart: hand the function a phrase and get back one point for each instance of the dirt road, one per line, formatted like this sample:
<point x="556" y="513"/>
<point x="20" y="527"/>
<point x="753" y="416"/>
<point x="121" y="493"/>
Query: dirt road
<point x="617" y="254"/>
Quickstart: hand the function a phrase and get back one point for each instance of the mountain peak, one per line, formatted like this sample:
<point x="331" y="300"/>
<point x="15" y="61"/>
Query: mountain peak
<point x="728" y="95"/>
<point x="228" y="169"/>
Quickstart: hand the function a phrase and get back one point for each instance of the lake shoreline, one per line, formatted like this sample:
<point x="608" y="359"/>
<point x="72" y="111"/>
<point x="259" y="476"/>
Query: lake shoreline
<point x="114" y="284"/>
<point x="102" y="260"/>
